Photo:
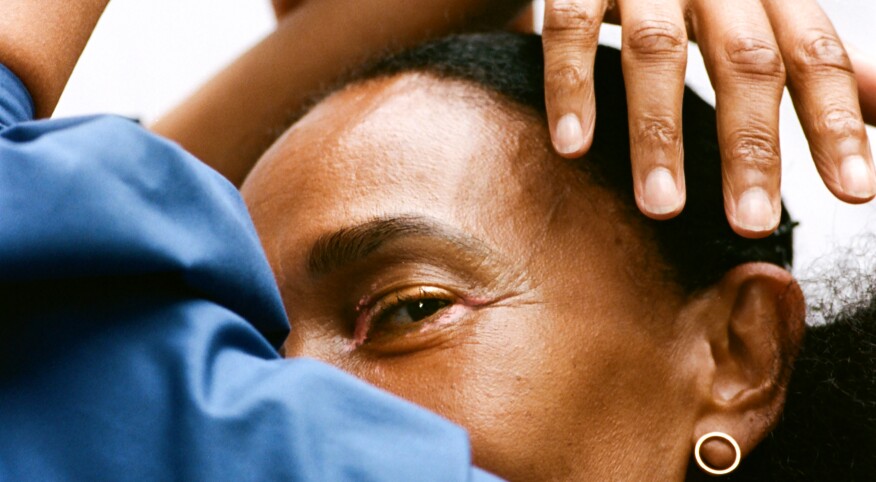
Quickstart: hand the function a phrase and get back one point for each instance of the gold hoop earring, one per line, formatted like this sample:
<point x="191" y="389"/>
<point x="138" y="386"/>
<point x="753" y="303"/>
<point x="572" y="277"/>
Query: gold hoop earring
<point x="705" y="466"/>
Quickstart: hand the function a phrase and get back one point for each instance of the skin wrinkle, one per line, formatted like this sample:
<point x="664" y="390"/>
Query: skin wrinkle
<point x="573" y="367"/>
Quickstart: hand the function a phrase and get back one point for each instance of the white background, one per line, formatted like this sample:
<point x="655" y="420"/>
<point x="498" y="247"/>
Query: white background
<point x="148" y="55"/>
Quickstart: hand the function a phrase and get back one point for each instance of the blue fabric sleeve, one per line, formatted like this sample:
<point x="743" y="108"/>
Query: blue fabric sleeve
<point x="139" y="328"/>
<point x="15" y="102"/>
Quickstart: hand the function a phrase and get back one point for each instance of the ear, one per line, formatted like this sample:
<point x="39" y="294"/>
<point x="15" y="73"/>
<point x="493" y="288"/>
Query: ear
<point x="748" y="328"/>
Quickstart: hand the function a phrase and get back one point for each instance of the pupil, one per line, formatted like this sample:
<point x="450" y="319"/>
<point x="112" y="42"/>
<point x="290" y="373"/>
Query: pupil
<point x="425" y="308"/>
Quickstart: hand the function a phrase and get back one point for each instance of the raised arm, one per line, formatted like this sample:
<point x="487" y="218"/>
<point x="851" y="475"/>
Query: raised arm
<point x="232" y="119"/>
<point x="41" y="41"/>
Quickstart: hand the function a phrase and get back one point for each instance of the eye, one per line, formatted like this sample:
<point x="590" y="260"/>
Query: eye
<point x="402" y="311"/>
<point x="407" y="312"/>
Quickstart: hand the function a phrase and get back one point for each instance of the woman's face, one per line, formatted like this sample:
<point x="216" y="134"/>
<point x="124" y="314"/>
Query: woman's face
<point x="425" y="239"/>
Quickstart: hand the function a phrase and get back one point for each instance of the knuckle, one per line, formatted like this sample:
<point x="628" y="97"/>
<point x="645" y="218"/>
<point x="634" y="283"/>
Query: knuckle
<point x="841" y="123"/>
<point x="657" y="39"/>
<point x="565" y="76"/>
<point x="754" y="56"/>
<point x="571" y="15"/>
<point x="657" y="130"/>
<point x="754" y="150"/>
<point x="821" y="51"/>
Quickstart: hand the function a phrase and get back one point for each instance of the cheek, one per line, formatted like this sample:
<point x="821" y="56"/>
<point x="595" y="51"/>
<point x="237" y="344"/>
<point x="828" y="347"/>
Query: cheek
<point x="517" y="380"/>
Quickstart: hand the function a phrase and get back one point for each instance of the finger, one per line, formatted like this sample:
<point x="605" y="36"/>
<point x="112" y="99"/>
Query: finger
<point x="865" y="74"/>
<point x="746" y="69"/>
<point x="570" y="35"/>
<point x="824" y="91"/>
<point x="654" y="60"/>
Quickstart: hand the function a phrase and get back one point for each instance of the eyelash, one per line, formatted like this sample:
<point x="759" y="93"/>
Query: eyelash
<point x="376" y="315"/>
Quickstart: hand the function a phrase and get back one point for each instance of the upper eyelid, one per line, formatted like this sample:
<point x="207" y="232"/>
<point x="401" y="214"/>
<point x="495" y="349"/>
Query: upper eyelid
<point x="401" y="274"/>
<point x="464" y="278"/>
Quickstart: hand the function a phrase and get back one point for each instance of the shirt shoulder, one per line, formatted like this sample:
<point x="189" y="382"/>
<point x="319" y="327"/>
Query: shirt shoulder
<point x="100" y="196"/>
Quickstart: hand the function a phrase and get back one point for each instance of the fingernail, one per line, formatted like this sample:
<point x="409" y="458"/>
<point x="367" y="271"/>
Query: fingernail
<point x="755" y="211"/>
<point x="570" y="136"/>
<point x="857" y="178"/>
<point x="660" y="194"/>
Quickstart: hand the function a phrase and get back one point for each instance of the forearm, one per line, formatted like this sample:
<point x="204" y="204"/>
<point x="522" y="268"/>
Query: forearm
<point x="235" y="116"/>
<point x="41" y="41"/>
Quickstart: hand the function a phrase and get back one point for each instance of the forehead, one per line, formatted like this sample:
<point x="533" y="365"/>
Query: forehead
<point x="410" y="143"/>
<point x="414" y="145"/>
<point x="407" y="133"/>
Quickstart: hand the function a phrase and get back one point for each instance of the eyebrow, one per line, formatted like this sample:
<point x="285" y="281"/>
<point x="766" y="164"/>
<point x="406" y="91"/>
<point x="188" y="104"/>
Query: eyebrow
<point x="351" y="244"/>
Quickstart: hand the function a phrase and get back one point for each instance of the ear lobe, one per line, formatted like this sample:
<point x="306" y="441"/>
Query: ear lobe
<point x="754" y="321"/>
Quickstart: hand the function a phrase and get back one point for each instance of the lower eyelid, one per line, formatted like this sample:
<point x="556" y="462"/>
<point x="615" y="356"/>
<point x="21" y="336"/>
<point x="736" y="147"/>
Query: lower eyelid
<point x="448" y="315"/>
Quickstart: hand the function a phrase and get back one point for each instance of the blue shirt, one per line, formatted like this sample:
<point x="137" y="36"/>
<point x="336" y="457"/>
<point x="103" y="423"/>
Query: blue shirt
<point x="139" y="322"/>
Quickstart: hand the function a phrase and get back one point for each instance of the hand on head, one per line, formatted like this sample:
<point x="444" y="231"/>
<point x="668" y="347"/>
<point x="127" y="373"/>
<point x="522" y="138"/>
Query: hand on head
<point x="753" y="50"/>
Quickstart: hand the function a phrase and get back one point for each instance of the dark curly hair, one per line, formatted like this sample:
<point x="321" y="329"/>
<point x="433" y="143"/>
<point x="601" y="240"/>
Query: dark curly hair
<point x="828" y="427"/>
